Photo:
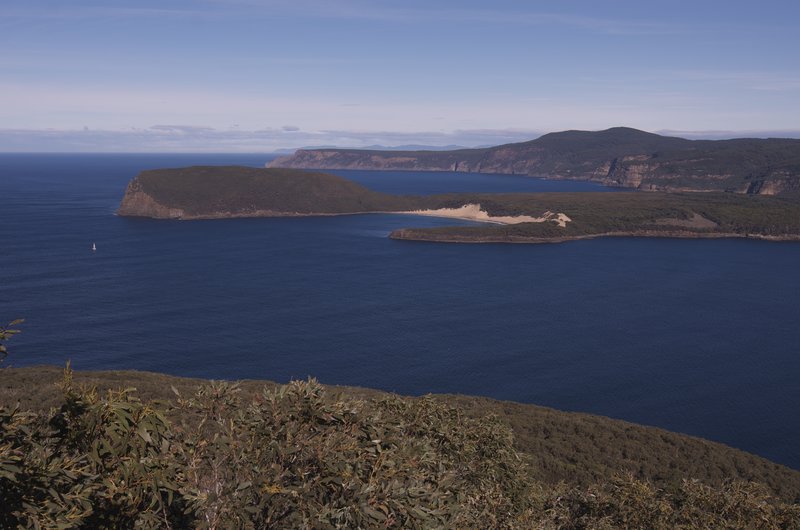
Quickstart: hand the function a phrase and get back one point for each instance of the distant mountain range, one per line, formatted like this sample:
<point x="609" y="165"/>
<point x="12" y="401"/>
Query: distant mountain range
<point x="619" y="156"/>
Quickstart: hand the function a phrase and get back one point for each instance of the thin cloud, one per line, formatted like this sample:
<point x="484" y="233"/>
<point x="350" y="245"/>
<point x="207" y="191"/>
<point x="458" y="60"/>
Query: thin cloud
<point x="189" y="138"/>
<point x="751" y="80"/>
<point x="355" y="10"/>
<point x="725" y="135"/>
<point x="597" y="24"/>
<point x="76" y="12"/>
<point x="183" y="129"/>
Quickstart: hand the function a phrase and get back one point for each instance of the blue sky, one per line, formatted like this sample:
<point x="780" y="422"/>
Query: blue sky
<point x="250" y="75"/>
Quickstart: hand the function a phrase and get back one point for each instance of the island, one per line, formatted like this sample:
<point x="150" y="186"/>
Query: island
<point x="219" y="192"/>
<point x="619" y="156"/>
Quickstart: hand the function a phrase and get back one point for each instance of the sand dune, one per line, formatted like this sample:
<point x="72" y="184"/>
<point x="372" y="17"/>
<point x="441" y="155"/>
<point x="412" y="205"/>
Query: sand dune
<point x="473" y="212"/>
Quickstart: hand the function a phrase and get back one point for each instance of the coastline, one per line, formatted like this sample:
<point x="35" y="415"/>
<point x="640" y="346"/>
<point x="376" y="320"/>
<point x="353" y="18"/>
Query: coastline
<point x="236" y="192"/>
<point x="404" y="235"/>
<point x="419" y="235"/>
<point x="448" y="213"/>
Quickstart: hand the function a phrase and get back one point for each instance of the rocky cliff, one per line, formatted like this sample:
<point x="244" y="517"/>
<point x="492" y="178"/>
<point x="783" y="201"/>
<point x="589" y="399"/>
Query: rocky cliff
<point x="138" y="203"/>
<point x="207" y="192"/>
<point x="615" y="157"/>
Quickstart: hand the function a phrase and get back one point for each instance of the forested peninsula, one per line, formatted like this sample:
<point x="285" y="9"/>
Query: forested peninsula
<point x="619" y="156"/>
<point x="211" y="192"/>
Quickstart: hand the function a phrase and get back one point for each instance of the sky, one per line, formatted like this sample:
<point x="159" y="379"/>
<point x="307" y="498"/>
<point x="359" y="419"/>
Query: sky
<point x="264" y="75"/>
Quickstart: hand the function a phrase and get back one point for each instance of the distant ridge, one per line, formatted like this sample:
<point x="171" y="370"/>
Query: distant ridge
<point x="620" y="156"/>
<point x="408" y="147"/>
<point x="415" y="147"/>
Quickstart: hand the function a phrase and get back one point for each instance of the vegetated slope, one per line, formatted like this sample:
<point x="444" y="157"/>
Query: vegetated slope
<point x="579" y="449"/>
<point x="621" y="214"/>
<point x="619" y="156"/>
<point x="235" y="191"/>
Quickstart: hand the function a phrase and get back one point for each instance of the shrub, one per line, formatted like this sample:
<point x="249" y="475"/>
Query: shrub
<point x="294" y="457"/>
<point x="5" y="334"/>
<point x="290" y="459"/>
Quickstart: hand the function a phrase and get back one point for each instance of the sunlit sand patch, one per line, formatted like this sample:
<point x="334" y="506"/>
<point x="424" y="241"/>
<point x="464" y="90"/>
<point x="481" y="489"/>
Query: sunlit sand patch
<point x="473" y="212"/>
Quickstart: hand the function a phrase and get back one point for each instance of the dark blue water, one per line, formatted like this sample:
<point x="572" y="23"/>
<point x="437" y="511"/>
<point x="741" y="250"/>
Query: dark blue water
<point x="428" y="183"/>
<point x="695" y="336"/>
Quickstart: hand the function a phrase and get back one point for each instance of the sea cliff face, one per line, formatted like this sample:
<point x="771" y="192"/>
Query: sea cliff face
<point x="618" y="157"/>
<point x="209" y="192"/>
<point x="138" y="203"/>
<point x="779" y="184"/>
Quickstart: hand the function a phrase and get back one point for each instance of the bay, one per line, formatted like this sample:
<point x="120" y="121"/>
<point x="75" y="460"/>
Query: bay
<point x="696" y="336"/>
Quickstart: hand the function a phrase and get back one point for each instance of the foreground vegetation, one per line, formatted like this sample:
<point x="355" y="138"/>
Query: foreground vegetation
<point x="222" y="455"/>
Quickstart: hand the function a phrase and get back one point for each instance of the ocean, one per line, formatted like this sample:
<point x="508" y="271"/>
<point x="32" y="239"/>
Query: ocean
<point x="695" y="336"/>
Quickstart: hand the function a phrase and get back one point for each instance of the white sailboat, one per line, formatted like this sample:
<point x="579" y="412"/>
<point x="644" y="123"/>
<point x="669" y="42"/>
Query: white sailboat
<point x="94" y="247"/>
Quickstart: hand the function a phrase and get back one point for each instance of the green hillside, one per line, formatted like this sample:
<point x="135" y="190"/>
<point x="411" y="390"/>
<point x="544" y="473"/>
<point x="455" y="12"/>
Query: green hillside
<point x="261" y="455"/>
<point x="210" y="191"/>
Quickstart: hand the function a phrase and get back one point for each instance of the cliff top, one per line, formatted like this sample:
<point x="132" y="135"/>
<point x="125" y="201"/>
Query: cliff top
<point x="200" y="191"/>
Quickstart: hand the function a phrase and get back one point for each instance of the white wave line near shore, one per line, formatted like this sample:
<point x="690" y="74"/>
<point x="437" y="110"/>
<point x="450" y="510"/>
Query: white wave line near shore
<point x="473" y="212"/>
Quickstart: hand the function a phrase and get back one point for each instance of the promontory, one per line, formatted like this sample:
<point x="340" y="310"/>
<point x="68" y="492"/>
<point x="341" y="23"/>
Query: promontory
<point x="619" y="156"/>
<point x="209" y="192"/>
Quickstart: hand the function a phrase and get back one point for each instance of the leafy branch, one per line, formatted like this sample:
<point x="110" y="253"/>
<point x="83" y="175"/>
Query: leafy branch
<point x="5" y="334"/>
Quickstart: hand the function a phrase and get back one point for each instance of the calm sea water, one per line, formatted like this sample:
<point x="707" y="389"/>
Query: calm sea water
<point x="697" y="336"/>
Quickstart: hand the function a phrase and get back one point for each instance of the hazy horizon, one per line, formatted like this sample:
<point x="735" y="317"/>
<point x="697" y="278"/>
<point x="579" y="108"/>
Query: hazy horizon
<point x="244" y="75"/>
<point x="176" y="140"/>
